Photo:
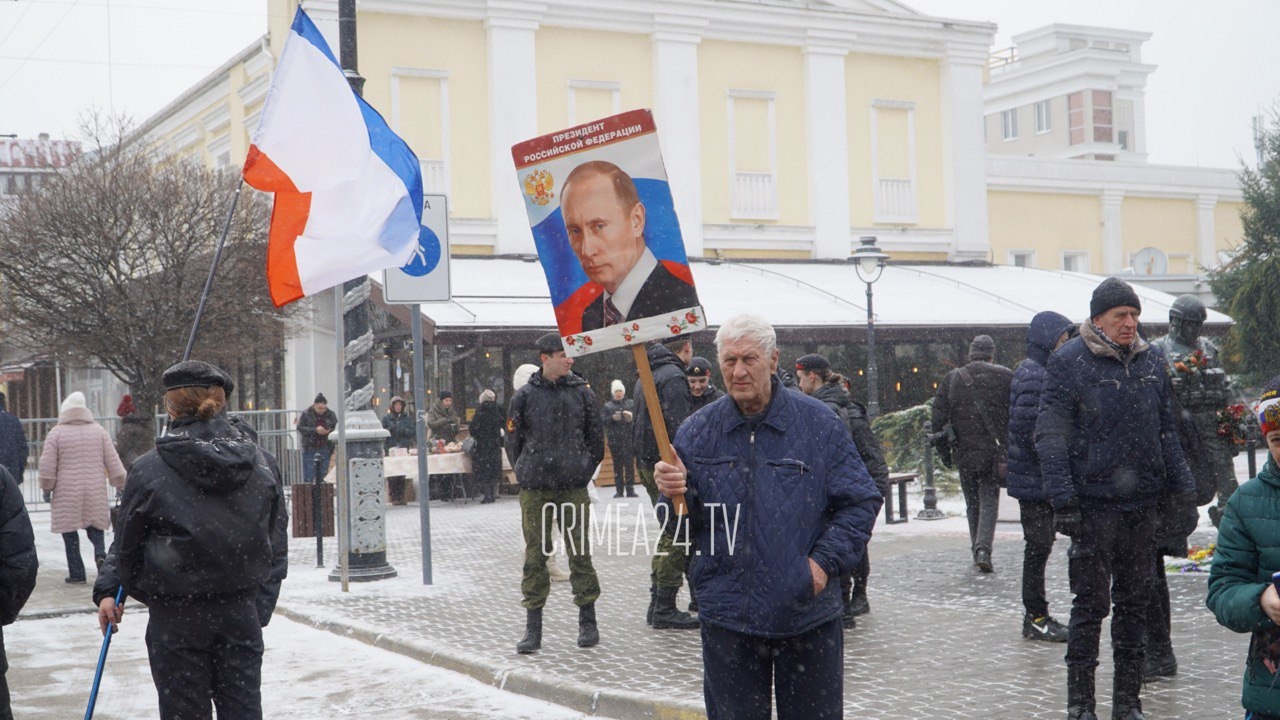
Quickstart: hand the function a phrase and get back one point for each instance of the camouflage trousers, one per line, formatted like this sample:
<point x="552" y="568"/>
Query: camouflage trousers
<point x="669" y="559"/>
<point x="568" y="512"/>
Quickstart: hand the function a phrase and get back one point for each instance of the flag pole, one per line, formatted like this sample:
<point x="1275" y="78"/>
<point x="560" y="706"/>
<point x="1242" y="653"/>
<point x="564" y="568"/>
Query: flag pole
<point x="213" y="269"/>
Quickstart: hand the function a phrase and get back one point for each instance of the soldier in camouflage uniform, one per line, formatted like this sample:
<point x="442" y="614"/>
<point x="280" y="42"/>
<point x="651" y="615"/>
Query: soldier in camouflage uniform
<point x="1203" y="393"/>
<point x="555" y="440"/>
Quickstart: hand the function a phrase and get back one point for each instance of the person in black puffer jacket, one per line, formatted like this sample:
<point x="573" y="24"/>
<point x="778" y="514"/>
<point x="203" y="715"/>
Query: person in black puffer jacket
<point x="486" y="459"/>
<point x="1048" y="332"/>
<point x="18" y="567"/>
<point x="203" y="542"/>
<point x="555" y="440"/>
<point x="815" y="378"/>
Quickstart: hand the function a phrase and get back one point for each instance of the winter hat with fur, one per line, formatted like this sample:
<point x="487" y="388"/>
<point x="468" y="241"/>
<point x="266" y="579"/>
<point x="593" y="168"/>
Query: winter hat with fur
<point x="126" y="406"/>
<point x="617" y="385"/>
<point x="74" y="400"/>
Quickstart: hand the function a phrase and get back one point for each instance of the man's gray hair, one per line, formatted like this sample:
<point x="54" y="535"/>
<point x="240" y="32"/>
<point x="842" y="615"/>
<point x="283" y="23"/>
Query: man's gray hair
<point x="747" y="327"/>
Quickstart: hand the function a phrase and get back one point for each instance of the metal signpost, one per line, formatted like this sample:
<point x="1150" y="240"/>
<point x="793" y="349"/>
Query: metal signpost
<point x="424" y="279"/>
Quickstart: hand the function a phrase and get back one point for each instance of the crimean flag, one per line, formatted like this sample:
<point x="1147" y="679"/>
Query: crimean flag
<point x="348" y="190"/>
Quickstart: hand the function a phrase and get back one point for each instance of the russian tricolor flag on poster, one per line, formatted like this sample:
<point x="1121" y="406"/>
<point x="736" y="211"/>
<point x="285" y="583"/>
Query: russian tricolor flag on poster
<point x="348" y="190"/>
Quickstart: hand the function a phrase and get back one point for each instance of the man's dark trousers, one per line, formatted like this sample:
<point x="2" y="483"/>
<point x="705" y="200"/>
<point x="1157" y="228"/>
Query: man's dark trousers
<point x="1038" y="534"/>
<point x="196" y="648"/>
<point x="1110" y="563"/>
<point x="982" y="505"/>
<point x="624" y="466"/>
<point x="741" y="671"/>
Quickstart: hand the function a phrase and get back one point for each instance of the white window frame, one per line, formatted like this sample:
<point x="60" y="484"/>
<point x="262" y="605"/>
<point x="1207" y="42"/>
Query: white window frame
<point x="1044" y="117"/>
<point x="446" y="149"/>
<point x="737" y="209"/>
<point x="1009" y="124"/>
<point x="1081" y="255"/>
<point x="575" y="85"/>
<point x="1029" y="254"/>
<point x="882" y="212"/>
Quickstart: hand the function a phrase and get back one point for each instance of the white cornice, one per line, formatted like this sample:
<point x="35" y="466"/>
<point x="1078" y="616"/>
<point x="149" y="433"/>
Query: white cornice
<point x="1092" y="177"/>
<point x="255" y="89"/>
<point x="770" y="23"/>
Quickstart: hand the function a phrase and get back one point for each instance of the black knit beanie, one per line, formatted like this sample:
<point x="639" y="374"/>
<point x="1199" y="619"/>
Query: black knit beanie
<point x="1112" y="292"/>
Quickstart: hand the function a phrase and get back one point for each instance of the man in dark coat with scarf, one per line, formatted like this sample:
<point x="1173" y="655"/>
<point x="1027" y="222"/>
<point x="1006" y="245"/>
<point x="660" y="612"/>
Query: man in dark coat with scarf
<point x="1107" y="440"/>
<point x="314" y="425"/>
<point x="555" y="441"/>
<point x="974" y="401"/>
<point x="1048" y="332"/>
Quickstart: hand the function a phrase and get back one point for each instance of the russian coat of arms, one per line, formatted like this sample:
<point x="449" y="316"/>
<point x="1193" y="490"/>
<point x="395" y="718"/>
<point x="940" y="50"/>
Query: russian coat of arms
<point x="538" y="186"/>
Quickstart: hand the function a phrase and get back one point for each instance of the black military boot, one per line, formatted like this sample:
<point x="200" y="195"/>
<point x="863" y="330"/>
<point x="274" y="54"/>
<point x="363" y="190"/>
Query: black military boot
<point x="1080" y="694"/>
<point x="648" y="616"/>
<point x="1125" y="704"/>
<point x="666" y="616"/>
<point x="1160" y="663"/>
<point x="858" y="601"/>
<point x="588" y="632"/>
<point x="532" y="641"/>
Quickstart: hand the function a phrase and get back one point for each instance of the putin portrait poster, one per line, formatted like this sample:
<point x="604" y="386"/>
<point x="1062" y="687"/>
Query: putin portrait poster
<point x="606" y="232"/>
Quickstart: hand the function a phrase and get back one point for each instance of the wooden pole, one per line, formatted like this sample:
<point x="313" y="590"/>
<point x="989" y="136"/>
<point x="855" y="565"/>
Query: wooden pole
<point x="655" y="418"/>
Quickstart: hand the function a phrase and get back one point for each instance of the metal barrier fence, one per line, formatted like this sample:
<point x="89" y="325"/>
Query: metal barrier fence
<point x="275" y="428"/>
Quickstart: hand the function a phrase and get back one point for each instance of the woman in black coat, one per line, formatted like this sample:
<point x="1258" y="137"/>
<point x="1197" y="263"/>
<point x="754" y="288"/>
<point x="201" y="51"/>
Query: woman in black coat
<point x="486" y="459"/>
<point x="203" y="542"/>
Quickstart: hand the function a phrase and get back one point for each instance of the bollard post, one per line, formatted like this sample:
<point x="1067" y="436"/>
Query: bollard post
<point x="1251" y="448"/>
<point x="930" y="510"/>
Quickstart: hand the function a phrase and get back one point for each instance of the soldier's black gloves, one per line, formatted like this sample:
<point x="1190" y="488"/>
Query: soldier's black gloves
<point x="1068" y="520"/>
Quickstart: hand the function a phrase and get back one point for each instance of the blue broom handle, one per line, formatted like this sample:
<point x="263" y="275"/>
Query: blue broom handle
<point x="102" y="658"/>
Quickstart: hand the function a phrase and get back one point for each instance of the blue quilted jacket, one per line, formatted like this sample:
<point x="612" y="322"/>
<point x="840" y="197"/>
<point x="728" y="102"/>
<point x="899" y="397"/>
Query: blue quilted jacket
<point x="1024" y="481"/>
<point x="1106" y="433"/>
<point x="762" y="502"/>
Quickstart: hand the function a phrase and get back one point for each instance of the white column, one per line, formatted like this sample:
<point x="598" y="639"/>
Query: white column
<point x="1138" y="143"/>
<point x="964" y="153"/>
<point x="1113" y="259"/>
<point x="513" y="113"/>
<point x="675" y="108"/>
<point x="827" y="141"/>
<point x="1206" y="243"/>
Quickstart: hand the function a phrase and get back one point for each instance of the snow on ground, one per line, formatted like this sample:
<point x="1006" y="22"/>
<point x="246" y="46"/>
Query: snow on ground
<point x="307" y="674"/>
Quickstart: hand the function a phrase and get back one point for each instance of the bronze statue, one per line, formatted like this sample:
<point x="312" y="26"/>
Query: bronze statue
<point x="1204" y="390"/>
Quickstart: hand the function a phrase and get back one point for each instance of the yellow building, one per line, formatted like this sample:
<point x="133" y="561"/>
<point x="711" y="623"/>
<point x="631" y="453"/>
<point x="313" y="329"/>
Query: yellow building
<point x="789" y="128"/>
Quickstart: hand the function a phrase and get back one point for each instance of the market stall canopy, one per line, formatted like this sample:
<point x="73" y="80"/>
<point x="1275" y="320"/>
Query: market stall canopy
<point x="511" y="293"/>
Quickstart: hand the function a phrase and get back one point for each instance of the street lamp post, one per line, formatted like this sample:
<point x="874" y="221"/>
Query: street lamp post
<point x="869" y="263"/>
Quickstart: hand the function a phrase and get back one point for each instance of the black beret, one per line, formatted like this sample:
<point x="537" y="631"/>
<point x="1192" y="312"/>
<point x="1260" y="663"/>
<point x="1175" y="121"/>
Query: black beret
<point x="550" y="343"/>
<point x="813" y="362"/>
<point x="193" y="373"/>
<point x="445" y="394"/>
<point x="698" y="367"/>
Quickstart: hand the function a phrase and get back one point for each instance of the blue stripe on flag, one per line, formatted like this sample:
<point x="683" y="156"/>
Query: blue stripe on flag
<point x="307" y="30"/>
<point x="395" y="152"/>
<point x="388" y="146"/>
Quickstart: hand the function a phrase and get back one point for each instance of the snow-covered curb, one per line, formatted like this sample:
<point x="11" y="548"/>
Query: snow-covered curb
<point x="578" y="696"/>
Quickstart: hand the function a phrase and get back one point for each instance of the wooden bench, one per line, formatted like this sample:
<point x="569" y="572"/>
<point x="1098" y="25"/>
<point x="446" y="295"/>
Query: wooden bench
<point x="901" y="480"/>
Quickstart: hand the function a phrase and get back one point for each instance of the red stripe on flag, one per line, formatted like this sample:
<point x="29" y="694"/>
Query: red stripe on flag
<point x="569" y="312"/>
<point x="288" y="219"/>
<point x="680" y="270"/>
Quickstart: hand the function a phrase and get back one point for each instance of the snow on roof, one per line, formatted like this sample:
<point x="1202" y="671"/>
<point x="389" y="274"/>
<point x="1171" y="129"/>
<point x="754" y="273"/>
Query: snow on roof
<point x="512" y="293"/>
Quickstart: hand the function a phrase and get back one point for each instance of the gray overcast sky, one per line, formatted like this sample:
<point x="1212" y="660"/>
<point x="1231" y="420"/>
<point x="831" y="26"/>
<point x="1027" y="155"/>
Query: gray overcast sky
<point x="1216" y="60"/>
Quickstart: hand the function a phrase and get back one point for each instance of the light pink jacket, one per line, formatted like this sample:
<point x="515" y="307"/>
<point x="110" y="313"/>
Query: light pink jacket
<point x="78" y="457"/>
